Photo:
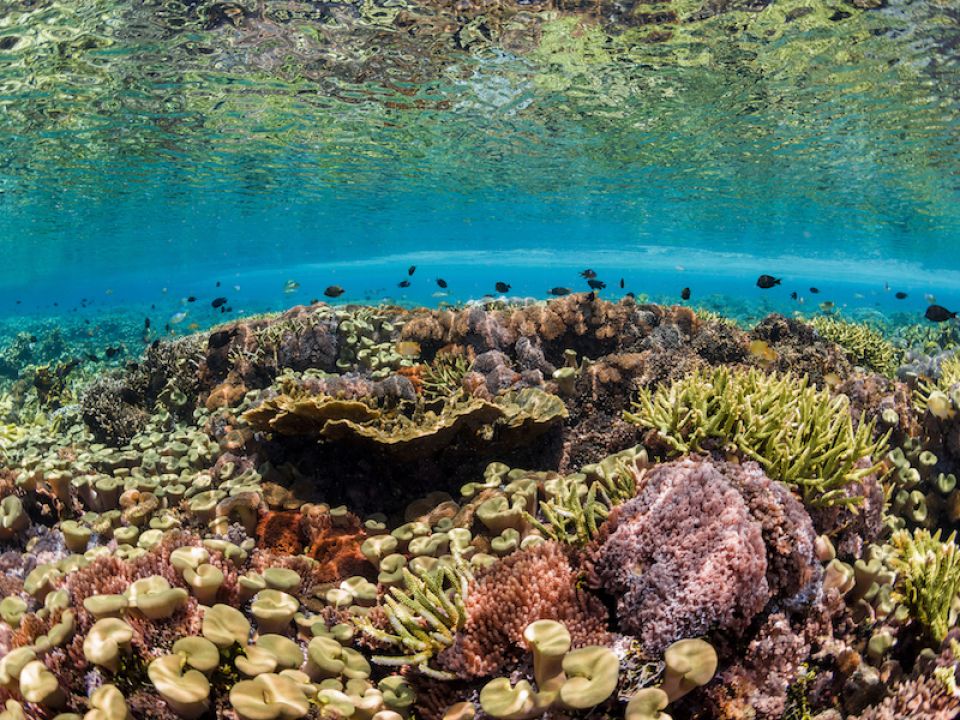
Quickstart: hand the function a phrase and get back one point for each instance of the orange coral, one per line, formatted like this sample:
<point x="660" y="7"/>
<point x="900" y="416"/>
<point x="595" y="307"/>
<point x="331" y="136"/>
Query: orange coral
<point x="414" y="375"/>
<point x="226" y="394"/>
<point x="335" y="544"/>
<point x="279" y="532"/>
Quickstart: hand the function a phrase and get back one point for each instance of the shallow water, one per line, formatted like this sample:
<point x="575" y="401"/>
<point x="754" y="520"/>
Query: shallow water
<point x="168" y="145"/>
<point x="303" y="386"/>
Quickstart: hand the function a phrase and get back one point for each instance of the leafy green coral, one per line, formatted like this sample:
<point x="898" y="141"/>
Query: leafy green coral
<point x="928" y="578"/>
<point x="801" y="435"/>
<point x="865" y="345"/>
<point x="409" y="428"/>
<point x="444" y="375"/>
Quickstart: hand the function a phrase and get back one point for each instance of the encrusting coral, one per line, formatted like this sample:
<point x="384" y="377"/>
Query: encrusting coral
<point x="724" y="536"/>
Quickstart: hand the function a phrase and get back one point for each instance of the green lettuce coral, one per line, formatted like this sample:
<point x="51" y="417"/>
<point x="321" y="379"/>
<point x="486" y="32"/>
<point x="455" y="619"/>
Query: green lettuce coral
<point x="802" y="436"/>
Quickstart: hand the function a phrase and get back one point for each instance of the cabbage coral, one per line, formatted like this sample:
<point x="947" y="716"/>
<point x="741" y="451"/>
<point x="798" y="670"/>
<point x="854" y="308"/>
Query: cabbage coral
<point x="802" y="436"/>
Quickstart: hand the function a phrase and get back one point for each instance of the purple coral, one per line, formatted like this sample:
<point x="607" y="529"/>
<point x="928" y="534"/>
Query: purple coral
<point x="702" y="548"/>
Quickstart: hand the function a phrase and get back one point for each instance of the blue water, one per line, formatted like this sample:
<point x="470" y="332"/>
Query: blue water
<point x="151" y="151"/>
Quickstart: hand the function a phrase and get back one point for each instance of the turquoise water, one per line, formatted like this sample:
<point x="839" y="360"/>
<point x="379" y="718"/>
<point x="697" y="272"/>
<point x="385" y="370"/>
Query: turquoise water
<point x="152" y="149"/>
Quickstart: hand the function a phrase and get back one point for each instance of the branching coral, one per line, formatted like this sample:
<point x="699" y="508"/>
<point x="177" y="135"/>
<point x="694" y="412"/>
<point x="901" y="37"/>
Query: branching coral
<point x="799" y="434"/>
<point x="928" y="578"/>
<point x="865" y="345"/>
<point x="535" y="584"/>
<point x="444" y="375"/>
<point x="425" y="616"/>
<point x="577" y="504"/>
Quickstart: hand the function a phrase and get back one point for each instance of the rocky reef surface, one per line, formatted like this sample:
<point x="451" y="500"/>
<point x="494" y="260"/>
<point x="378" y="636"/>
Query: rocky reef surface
<point x="570" y="509"/>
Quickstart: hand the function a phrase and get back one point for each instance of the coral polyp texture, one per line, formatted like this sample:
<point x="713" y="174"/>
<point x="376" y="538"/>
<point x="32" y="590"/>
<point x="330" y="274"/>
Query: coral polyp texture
<point x="575" y="509"/>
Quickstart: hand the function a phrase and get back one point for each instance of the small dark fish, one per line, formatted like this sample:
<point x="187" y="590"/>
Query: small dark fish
<point x="588" y="274"/>
<point x="218" y="302"/>
<point x="502" y="287"/>
<point x="901" y="296"/>
<point x="621" y="283"/>
<point x="56" y="304"/>
<point x="411" y="270"/>
<point x="814" y="290"/>
<point x="192" y="298"/>
<point x="591" y="296"/>
<point x="767" y="281"/>
<point x="19" y="301"/>
<point x="153" y="306"/>
<point x="315" y="301"/>
<point x="441" y="282"/>
<point x="112" y="351"/>
<point x="596" y="284"/>
<point x="685" y="294"/>
<point x="34" y="338"/>
<point x="220" y="338"/>
<point x="631" y="295"/>
<point x="166" y="328"/>
<point x="334" y="291"/>
<point x="403" y="283"/>
<point x="92" y="358"/>
<point x="558" y="291"/>
<point x="155" y="344"/>
<point x="938" y="313"/>
<point x="146" y="323"/>
<point x="793" y="295"/>
<point x="218" y="283"/>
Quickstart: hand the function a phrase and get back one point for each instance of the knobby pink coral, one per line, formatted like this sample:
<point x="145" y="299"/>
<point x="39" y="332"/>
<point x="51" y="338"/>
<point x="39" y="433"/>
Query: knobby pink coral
<point x="702" y="548"/>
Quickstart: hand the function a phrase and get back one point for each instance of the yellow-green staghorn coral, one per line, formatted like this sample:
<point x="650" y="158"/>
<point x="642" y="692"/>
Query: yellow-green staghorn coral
<point x="425" y="616"/>
<point x="928" y="578"/>
<point x="802" y="436"/>
<point x="865" y="345"/>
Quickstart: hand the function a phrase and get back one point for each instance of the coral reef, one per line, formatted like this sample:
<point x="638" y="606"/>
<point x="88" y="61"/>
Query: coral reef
<point x="503" y="510"/>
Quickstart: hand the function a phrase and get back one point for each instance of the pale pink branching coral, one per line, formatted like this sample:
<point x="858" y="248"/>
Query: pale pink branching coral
<point x="534" y="584"/>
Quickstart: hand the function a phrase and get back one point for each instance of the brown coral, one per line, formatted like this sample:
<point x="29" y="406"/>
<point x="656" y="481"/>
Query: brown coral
<point x="279" y="532"/>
